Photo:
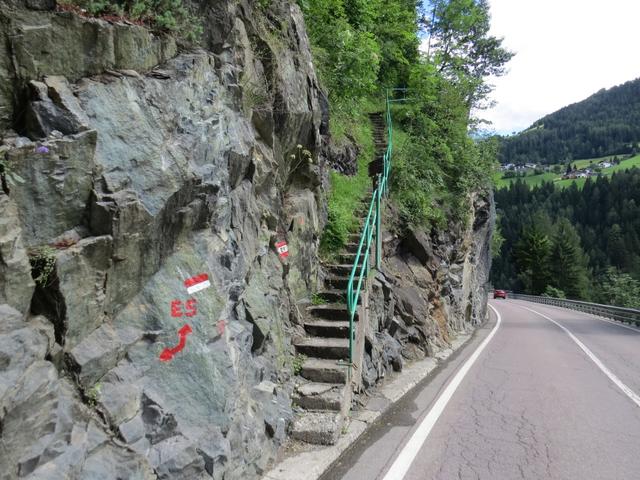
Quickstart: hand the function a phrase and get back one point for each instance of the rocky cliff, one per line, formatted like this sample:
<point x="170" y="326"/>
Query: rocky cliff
<point x="146" y="316"/>
<point x="431" y="287"/>
<point x="145" y="165"/>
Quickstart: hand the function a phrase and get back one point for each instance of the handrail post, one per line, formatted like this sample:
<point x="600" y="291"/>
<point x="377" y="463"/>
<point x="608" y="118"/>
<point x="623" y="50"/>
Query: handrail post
<point x="378" y="225"/>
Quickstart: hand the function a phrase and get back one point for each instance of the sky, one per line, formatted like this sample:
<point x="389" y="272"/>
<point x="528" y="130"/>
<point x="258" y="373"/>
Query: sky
<point x="565" y="50"/>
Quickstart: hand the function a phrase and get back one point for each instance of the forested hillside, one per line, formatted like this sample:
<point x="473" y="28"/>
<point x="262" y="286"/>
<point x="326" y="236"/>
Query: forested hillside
<point x="606" y="123"/>
<point x="362" y="47"/>
<point x="582" y="243"/>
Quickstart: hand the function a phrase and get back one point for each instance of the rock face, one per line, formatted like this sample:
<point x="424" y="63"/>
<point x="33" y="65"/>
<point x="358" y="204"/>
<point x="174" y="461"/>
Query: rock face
<point x="144" y="168"/>
<point x="156" y="339"/>
<point x="431" y="287"/>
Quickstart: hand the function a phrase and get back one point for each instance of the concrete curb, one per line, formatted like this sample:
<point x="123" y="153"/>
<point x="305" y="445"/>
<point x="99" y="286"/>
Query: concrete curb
<point x="312" y="464"/>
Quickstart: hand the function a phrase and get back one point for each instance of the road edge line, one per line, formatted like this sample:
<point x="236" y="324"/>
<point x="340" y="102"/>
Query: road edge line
<point x="595" y="316"/>
<point x="407" y="455"/>
<point x="633" y="396"/>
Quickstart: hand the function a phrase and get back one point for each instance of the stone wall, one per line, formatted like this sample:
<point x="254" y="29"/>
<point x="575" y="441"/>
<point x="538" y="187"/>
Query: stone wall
<point x="145" y="165"/>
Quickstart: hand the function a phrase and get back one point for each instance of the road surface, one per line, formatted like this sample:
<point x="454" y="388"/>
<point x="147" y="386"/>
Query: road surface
<point x="542" y="393"/>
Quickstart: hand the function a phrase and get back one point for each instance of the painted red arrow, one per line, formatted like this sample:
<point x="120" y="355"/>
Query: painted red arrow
<point x="168" y="353"/>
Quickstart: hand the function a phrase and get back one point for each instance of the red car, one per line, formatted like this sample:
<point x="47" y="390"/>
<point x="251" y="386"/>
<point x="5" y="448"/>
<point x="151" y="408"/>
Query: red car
<point x="500" y="294"/>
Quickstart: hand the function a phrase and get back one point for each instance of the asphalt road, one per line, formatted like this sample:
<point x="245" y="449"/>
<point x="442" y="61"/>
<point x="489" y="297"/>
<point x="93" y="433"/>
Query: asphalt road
<point x="540" y="402"/>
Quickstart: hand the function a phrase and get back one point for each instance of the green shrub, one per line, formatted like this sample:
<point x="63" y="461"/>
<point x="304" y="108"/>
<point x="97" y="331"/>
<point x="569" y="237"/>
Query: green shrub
<point x="43" y="262"/>
<point x="297" y="363"/>
<point x="553" y="292"/>
<point x="165" y="15"/>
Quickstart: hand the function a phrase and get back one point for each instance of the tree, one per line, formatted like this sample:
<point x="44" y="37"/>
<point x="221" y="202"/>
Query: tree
<point x="568" y="262"/>
<point x="615" y="246"/>
<point x="497" y="240"/>
<point x="462" y="49"/>
<point x="532" y="259"/>
<point x="619" y="289"/>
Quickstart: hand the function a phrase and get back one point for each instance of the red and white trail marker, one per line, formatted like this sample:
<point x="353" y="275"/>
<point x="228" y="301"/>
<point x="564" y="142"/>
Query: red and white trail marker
<point x="197" y="283"/>
<point x="282" y="249"/>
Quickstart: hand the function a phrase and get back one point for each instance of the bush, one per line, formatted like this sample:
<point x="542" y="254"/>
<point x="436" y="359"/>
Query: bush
<point x="165" y="15"/>
<point x="619" y="289"/>
<point x="553" y="292"/>
<point x="43" y="263"/>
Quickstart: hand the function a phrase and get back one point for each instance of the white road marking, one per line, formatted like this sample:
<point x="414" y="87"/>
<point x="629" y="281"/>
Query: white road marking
<point x="400" y="467"/>
<point x="635" y="398"/>
<point x="597" y="317"/>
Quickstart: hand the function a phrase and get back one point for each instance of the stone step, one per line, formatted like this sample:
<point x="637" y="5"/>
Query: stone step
<point x="331" y="311"/>
<point x="319" y="428"/>
<point x="327" y="371"/>
<point x="347" y="258"/>
<point x="342" y="269"/>
<point x="328" y="348"/>
<point x="336" y="296"/>
<point x="351" y="247"/>
<point x="320" y="396"/>
<point x="334" y="281"/>
<point x="327" y="328"/>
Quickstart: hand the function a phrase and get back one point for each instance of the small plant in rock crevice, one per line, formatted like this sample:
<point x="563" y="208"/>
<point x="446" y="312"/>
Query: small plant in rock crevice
<point x="43" y="263"/>
<point x="165" y="15"/>
<point x="297" y="363"/>
<point x="92" y="394"/>
<point x="299" y="158"/>
<point x="255" y="95"/>
<point x="317" y="299"/>
<point x="8" y="176"/>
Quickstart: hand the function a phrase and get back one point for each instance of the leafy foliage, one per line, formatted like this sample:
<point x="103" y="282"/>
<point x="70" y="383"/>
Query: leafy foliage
<point x="462" y="48"/>
<point x="363" y="46"/>
<point x="167" y="15"/>
<point x="553" y="292"/>
<point x="297" y="363"/>
<point x="345" y="201"/>
<point x="619" y="289"/>
<point x="43" y="263"/>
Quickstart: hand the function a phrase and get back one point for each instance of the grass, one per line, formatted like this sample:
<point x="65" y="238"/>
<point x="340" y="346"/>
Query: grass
<point x="347" y="192"/>
<point x="533" y="180"/>
<point x="317" y="299"/>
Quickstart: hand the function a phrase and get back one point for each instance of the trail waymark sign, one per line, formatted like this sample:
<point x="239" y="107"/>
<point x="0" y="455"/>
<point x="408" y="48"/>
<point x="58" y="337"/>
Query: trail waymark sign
<point x="283" y="249"/>
<point x="197" y="283"/>
<point x="168" y="353"/>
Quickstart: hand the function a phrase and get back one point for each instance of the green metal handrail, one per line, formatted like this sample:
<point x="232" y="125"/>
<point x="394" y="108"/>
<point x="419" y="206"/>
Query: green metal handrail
<point x="372" y="223"/>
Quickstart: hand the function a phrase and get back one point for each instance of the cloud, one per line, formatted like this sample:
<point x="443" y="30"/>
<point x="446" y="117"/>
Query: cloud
<point x="565" y="51"/>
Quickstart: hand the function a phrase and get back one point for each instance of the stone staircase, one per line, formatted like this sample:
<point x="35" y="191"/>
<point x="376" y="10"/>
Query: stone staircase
<point x="380" y="142"/>
<point x="326" y="387"/>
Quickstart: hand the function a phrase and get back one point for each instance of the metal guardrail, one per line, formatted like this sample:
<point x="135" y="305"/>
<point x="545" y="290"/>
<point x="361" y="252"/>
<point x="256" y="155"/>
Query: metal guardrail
<point x="620" y="314"/>
<point x="360" y="269"/>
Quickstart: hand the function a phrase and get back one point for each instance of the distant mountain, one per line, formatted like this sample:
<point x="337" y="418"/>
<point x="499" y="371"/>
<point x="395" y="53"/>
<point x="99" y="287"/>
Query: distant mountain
<point x="606" y="123"/>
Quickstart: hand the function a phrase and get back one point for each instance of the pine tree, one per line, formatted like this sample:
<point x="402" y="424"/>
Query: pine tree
<point x="615" y="246"/>
<point x="532" y="259"/>
<point x="568" y="262"/>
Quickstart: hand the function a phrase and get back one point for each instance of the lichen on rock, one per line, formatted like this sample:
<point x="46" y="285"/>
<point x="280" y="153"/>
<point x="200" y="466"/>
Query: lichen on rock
<point x="144" y="167"/>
